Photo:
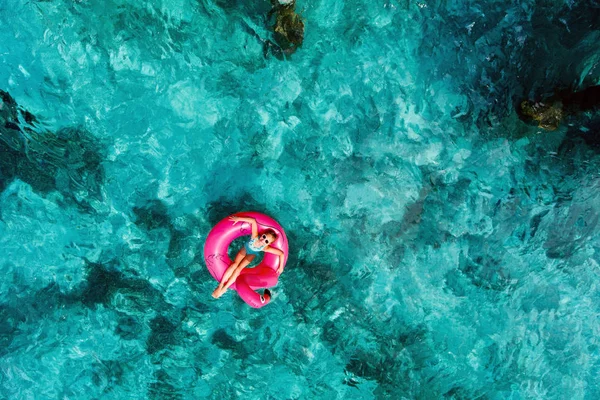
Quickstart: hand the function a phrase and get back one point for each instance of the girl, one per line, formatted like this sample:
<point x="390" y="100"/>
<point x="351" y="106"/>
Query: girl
<point x="254" y="246"/>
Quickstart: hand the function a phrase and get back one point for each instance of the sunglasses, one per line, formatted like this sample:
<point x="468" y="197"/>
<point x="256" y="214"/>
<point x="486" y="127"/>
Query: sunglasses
<point x="264" y="237"/>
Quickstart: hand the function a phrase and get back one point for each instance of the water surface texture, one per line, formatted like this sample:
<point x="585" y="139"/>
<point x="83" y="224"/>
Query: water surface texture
<point x="441" y="248"/>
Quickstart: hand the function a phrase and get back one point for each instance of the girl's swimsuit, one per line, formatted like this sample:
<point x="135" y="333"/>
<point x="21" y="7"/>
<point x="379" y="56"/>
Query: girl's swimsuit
<point x="252" y="249"/>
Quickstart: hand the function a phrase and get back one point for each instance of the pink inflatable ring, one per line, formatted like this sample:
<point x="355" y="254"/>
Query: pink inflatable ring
<point x="264" y="275"/>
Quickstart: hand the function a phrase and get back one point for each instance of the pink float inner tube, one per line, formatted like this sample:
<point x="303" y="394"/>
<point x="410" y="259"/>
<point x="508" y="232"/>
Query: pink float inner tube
<point x="264" y="275"/>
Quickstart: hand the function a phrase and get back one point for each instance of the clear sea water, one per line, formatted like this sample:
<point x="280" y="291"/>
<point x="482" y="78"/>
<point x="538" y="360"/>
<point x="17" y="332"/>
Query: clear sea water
<point x="440" y="247"/>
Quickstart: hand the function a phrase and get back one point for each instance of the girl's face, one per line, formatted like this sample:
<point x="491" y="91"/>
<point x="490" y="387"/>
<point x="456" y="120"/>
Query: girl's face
<point x="266" y="239"/>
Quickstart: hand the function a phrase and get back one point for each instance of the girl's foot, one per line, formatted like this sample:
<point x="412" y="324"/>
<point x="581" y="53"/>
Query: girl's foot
<point x="216" y="293"/>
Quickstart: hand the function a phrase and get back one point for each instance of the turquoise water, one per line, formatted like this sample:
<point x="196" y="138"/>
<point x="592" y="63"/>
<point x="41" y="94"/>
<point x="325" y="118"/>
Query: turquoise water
<point x="440" y="247"/>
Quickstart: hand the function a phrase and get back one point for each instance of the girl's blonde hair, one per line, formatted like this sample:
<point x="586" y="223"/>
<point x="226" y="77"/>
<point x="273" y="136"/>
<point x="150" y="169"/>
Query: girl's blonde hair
<point x="272" y="233"/>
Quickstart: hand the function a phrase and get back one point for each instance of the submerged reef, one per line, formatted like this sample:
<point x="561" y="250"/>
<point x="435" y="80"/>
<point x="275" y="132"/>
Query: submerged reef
<point x="548" y="115"/>
<point x="288" y="28"/>
<point x="68" y="161"/>
<point x="551" y="111"/>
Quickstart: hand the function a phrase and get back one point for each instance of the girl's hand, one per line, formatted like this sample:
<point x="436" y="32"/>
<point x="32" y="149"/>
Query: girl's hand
<point x="234" y="219"/>
<point x="279" y="270"/>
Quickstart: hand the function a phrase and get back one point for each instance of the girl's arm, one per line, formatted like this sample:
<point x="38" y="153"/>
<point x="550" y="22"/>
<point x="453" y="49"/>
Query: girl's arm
<point x="279" y="253"/>
<point x="249" y="220"/>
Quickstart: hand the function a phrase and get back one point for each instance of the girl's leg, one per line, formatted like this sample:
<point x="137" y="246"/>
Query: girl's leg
<point x="238" y="258"/>
<point x="247" y="260"/>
